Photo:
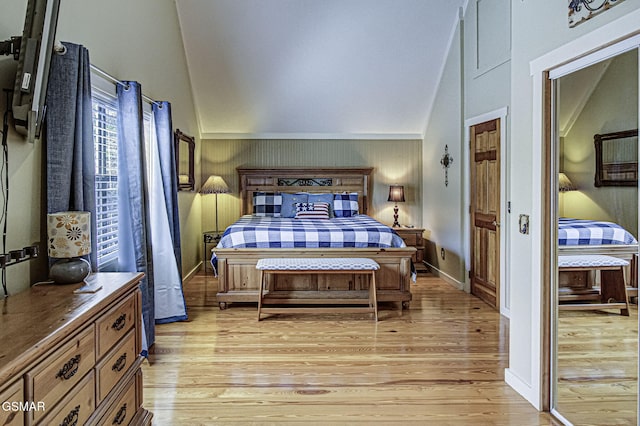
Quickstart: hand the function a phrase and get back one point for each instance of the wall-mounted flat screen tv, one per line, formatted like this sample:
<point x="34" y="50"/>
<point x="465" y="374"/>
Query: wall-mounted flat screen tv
<point x="36" y="48"/>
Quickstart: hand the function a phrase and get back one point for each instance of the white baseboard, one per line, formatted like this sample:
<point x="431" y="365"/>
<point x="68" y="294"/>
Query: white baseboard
<point x="524" y="389"/>
<point x="448" y="278"/>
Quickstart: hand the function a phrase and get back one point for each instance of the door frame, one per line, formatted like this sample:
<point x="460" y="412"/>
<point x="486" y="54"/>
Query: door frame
<point x="505" y="291"/>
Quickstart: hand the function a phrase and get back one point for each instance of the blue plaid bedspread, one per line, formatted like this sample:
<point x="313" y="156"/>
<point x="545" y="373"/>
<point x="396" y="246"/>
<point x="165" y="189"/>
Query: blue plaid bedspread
<point x="591" y="232"/>
<point x="360" y="231"/>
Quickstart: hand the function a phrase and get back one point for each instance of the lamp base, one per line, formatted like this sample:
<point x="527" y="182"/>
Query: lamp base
<point x="70" y="271"/>
<point x="395" y="217"/>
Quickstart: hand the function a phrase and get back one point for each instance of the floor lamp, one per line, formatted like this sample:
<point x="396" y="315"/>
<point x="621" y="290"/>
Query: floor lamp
<point x="215" y="185"/>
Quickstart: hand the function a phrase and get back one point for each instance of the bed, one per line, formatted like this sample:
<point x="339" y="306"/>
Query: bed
<point x="252" y="238"/>
<point x="592" y="237"/>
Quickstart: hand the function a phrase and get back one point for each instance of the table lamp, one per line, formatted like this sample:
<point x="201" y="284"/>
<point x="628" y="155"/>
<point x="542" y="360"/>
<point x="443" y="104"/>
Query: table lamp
<point x="396" y="194"/>
<point x="69" y="235"/>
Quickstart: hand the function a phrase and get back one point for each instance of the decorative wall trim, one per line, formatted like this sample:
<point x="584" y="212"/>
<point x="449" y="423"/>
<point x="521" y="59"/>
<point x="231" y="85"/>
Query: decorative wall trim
<point x="582" y="10"/>
<point x="481" y="68"/>
<point x="315" y="136"/>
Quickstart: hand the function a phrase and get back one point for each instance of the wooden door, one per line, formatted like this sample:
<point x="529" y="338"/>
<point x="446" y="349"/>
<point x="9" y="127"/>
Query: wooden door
<point x="485" y="211"/>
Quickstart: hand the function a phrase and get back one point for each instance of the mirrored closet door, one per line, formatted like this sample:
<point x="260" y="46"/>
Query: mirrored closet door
<point x="594" y="327"/>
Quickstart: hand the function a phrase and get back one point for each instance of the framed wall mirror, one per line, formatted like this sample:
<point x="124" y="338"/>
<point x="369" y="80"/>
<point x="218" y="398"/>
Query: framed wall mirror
<point x="185" y="146"/>
<point x="616" y="158"/>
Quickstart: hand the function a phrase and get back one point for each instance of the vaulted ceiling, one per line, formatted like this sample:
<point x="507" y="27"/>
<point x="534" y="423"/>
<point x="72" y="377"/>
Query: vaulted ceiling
<point x="315" y="68"/>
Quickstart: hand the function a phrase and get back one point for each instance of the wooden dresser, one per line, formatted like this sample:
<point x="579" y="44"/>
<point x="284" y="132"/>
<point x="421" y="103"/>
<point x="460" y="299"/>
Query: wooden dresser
<point x="72" y="359"/>
<point x="413" y="238"/>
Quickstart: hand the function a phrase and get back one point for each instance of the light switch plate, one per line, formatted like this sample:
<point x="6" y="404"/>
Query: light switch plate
<point x="524" y="224"/>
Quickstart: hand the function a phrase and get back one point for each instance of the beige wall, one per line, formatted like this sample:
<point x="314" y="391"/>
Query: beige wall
<point x="25" y="159"/>
<point x="130" y="40"/>
<point x="397" y="161"/>
<point x="612" y="107"/>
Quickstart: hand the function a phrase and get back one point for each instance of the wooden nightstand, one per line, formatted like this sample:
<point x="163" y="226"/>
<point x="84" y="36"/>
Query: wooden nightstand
<point x="413" y="238"/>
<point x="209" y="237"/>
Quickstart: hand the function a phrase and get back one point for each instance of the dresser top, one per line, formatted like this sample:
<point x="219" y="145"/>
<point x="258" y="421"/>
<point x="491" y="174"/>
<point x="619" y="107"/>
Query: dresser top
<point x="32" y="321"/>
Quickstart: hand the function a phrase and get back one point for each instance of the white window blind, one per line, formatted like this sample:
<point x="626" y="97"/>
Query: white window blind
<point x="105" y="137"/>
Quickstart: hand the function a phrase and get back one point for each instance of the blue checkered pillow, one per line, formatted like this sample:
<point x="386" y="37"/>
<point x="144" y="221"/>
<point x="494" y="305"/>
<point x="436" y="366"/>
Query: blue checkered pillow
<point x="267" y="204"/>
<point x="345" y="205"/>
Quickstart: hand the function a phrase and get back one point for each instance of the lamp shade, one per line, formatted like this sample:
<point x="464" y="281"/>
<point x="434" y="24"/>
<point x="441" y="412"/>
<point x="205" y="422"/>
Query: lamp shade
<point x="396" y="193"/>
<point x="215" y="185"/>
<point x="565" y="184"/>
<point x="69" y="234"/>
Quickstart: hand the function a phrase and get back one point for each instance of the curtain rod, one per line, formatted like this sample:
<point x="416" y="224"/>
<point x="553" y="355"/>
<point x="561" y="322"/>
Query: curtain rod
<point x="114" y="80"/>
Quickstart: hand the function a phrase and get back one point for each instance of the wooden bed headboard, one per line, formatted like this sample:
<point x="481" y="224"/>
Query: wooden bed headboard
<point x="312" y="180"/>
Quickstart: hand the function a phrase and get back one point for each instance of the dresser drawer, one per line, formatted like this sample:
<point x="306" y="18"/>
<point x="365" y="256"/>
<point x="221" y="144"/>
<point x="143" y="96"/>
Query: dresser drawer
<point x="115" y="324"/>
<point x="115" y="365"/>
<point x="124" y="408"/>
<point x="54" y="377"/>
<point x="77" y="407"/>
<point x="11" y="415"/>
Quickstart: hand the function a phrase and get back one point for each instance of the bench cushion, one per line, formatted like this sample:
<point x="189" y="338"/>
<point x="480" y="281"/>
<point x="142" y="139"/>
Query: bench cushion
<point x="317" y="263"/>
<point x="590" y="261"/>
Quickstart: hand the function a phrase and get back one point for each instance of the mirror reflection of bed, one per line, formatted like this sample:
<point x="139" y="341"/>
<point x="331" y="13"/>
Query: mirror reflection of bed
<point x="588" y="238"/>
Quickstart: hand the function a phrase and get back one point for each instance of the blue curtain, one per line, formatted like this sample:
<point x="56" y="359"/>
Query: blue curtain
<point x="165" y="236"/>
<point x="134" y="242"/>
<point x="167" y="155"/>
<point x="69" y="137"/>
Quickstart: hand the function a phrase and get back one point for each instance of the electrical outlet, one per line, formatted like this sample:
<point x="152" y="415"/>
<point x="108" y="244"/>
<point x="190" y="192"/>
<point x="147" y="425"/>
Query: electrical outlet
<point x="442" y="253"/>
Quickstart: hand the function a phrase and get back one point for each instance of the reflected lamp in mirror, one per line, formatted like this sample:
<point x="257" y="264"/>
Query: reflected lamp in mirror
<point x="396" y="194"/>
<point x="565" y="184"/>
<point x="69" y="235"/>
<point x="184" y="148"/>
<point x="215" y="185"/>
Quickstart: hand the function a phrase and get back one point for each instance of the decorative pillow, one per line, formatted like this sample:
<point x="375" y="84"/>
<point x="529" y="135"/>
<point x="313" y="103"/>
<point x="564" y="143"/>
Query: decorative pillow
<point x="289" y="203"/>
<point x="267" y="204"/>
<point x="323" y="198"/>
<point x="318" y="210"/>
<point x="345" y="205"/>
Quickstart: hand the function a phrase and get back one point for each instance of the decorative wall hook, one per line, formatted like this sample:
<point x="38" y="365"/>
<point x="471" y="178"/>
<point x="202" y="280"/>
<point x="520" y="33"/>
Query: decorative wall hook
<point x="446" y="162"/>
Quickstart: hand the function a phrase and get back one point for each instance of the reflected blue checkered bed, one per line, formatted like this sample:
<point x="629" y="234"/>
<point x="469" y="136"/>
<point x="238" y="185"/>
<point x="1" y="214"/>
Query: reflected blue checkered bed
<point x="591" y="232"/>
<point x="360" y="231"/>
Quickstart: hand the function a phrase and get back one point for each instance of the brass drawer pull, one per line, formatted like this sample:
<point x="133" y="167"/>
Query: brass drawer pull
<point x="69" y="369"/>
<point x="120" y="363"/>
<point x="120" y="416"/>
<point x="119" y="323"/>
<point x="72" y="417"/>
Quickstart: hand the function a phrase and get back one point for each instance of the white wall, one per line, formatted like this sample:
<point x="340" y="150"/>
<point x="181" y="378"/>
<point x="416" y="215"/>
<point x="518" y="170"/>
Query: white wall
<point x="443" y="205"/>
<point x="538" y="27"/>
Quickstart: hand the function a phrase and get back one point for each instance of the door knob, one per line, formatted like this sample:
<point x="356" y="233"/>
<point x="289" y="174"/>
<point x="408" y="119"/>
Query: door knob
<point x="494" y="223"/>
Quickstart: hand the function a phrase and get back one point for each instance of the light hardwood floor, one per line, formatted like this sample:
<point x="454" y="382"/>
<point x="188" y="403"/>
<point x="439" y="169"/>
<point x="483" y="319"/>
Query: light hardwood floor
<point x="598" y="367"/>
<point x="439" y="363"/>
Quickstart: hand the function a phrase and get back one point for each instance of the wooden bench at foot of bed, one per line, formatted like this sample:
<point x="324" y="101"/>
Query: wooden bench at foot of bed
<point x="317" y="266"/>
<point x="239" y="280"/>
<point x="612" y="293"/>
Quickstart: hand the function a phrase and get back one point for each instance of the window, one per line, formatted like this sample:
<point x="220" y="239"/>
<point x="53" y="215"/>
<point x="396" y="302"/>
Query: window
<point x="105" y="138"/>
